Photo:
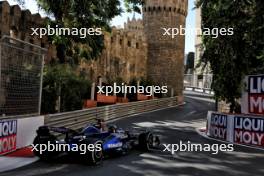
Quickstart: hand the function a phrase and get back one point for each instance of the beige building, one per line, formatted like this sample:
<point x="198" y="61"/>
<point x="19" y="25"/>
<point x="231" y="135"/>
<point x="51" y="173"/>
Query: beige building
<point x="202" y="76"/>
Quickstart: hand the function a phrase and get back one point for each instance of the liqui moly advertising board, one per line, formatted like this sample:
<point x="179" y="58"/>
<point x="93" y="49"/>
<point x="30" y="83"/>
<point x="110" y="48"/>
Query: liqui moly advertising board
<point x="218" y="125"/>
<point x="249" y="130"/>
<point x="236" y="128"/>
<point x="253" y="95"/>
<point x="8" y="136"/>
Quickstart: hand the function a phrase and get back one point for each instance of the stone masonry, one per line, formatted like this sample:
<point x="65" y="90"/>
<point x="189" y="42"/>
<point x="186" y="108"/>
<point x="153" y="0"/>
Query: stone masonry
<point x="125" y="48"/>
<point x="137" y="50"/>
<point x="165" y="54"/>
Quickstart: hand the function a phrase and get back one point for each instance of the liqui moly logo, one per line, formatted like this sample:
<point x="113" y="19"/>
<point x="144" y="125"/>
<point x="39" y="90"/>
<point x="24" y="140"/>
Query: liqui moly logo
<point x="249" y="131"/>
<point x="8" y="136"/>
<point x="218" y="126"/>
<point x="256" y="94"/>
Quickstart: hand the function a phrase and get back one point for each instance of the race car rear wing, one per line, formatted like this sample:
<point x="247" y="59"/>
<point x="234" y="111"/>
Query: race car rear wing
<point x="46" y="130"/>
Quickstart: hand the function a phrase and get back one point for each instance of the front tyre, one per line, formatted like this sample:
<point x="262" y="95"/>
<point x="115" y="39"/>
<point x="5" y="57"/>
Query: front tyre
<point x="94" y="157"/>
<point x="146" y="141"/>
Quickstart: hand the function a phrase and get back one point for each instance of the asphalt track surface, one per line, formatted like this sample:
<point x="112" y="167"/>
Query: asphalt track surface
<point x="173" y="125"/>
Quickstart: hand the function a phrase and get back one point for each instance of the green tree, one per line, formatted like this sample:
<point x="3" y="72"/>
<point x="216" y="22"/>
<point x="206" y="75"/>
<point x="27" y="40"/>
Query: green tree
<point x="82" y="14"/>
<point x="234" y="56"/>
<point x="63" y="81"/>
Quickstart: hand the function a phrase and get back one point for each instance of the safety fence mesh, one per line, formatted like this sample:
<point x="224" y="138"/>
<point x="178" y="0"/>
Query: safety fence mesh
<point x="21" y="66"/>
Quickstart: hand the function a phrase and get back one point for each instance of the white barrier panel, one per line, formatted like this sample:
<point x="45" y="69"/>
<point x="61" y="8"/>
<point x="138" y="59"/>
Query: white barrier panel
<point x="26" y="130"/>
<point x="188" y="88"/>
<point x="18" y="133"/>
<point x="239" y="129"/>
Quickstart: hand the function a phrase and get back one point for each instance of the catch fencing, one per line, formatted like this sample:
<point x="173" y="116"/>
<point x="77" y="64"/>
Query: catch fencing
<point x="21" y="68"/>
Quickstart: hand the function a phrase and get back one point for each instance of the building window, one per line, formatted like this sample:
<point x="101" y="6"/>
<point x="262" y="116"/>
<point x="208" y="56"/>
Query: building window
<point x="137" y="45"/>
<point x="129" y="44"/>
<point x="120" y="41"/>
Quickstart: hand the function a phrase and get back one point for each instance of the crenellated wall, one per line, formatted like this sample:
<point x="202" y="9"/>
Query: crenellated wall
<point x="176" y="6"/>
<point x="124" y="54"/>
<point x="17" y="23"/>
<point x="137" y="50"/>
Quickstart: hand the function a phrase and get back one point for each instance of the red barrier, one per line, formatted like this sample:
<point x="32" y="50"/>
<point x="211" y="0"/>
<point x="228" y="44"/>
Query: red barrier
<point x="106" y="99"/>
<point x="89" y="104"/>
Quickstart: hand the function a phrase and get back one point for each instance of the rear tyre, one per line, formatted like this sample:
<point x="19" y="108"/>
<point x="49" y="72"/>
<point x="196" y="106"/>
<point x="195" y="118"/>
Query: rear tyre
<point x="45" y="140"/>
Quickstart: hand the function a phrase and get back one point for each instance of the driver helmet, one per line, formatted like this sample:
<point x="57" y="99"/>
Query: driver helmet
<point x="112" y="128"/>
<point x="100" y="124"/>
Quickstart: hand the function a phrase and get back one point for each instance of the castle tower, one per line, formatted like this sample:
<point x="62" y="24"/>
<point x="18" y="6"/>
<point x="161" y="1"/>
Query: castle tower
<point x="165" y="64"/>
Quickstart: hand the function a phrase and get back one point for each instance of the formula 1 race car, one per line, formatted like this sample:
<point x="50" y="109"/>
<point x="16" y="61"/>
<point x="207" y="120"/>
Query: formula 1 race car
<point x="101" y="143"/>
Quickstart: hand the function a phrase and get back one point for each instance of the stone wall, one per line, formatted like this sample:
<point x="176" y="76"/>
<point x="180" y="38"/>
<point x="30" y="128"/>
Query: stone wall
<point x="137" y="50"/>
<point x="17" y="23"/>
<point x="124" y="54"/>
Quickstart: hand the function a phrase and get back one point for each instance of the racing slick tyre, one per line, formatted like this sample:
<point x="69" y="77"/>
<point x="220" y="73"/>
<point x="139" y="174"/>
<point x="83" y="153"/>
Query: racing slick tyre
<point x="44" y="138"/>
<point x="126" y="148"/>
<point x="146" y="141"/>
<point x="94" y="157"/>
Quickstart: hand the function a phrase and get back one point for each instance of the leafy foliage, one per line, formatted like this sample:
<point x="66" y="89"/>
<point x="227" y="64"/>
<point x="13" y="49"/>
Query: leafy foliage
<point x="134" y="5"/>
<point x="233" y="57"/>
<point x="63" y="81"/>
<point x="82" y="14"/>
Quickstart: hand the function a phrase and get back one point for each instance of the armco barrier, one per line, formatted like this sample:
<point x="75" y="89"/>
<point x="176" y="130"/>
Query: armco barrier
<point x="77" y="119"/>
<point x="200" y="90"/>
<point x="236" y="128"/>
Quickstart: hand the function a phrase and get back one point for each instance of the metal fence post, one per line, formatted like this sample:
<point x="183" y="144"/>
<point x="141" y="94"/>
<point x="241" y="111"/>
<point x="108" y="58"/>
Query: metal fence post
<point x="41" y="82"/>
<point x="0" y="64"/>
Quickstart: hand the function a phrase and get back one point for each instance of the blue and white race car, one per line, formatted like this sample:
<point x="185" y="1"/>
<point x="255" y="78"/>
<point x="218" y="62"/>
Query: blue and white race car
<point x="112" y="141"/>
